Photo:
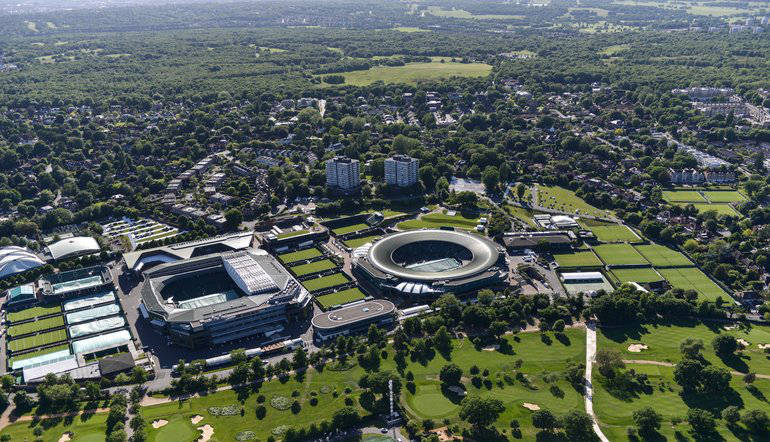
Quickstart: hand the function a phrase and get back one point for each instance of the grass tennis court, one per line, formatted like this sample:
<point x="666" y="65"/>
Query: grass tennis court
<point x="619" y="254"/>
<point x="325" y="282"/>
<point x="358" y="242"/>
<point x="722" y="196"/>
<point x="693" y="278"/>
<point x="34" y="326"/>
<point x="350" y="229"/>
<point x="613" y="233"/>
<point x="292" y="233"/>
<point x="640" y="275"/>
<point x="437" y="220"/>
<point x="33" y="312"/>
<point x="720" y="209"/>
<point x="299" y="255"/>
<point x="584" y="258"/>
<point x="683" y="196"/>
<point x="662" y="256"/>
<point x="37" y="353"/>
<point x="313" y="267"/>
<point x="342" y="297"/>
<point x="37" y="340"/>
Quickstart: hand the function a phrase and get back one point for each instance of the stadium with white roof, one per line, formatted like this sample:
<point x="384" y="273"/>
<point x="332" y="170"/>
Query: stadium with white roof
<point x="221" y="297"/>
<point x="15" y="260"/>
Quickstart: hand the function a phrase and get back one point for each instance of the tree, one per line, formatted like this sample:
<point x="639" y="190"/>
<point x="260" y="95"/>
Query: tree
<point x="450" y="374"/>
<point x="715" y="380"/>
<point x="578" y="426"/>
<point x="608" y="361"/>
<point x="22" y="401"/>
<point x="491" y="178"/>
<point x="731" y="415"/>
<point x="756" y="421"/>
<point x="544" y="420"/>
<point x="691" y="348"/>
<point x="233" y="218"/>
<point x="257" y="369"/>
<point x="701" y="421"/>
<point x="299" y="359"/>
<point x="687" y="374"/>
<point x="480" y="412"/>
<point x="442" y="340"/>
<point x="647" y="420"/>
<point x="558" y="326"/>
<point x="346" y="417"/>
<point x="724" y="345"/>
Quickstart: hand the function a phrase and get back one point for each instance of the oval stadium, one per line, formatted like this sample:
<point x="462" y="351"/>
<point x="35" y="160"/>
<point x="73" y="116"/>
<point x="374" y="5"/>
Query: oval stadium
<point x="430" y="262"/>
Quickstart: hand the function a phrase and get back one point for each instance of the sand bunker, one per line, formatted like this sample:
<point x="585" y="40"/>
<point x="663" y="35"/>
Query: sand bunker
<point x="528" y="406"/>
<point x="637" y="348"/>
<point x="195" y="419"/>
<point x="207" y="431"/>
<point x="159" y="423"/>
<point x="66" y="437"/>
<point x="491" y="348"/>
<point x="743" y="342"/>
<point x="764" y="346"/>
<point x="731" y="327"/>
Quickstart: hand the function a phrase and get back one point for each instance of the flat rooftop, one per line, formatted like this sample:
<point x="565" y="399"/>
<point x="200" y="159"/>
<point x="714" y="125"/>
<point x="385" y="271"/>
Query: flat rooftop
<point x="353" y="314"/>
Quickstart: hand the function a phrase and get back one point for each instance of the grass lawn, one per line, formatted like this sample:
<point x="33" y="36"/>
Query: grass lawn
<point x="37" y="340"/>
<point x="721" y="196"/>
<point x="683" y="196"/>
<point x="349" y="229"/>
<point x="613" y="233"/>
<point x="693" y="278"/>
<point x="411" y="73"/>
<point x="524" y="215"/>
<point x="293" y="233"/>
<point x="325" y="282"/>
<point x="358" y="242"/>
<point x="615" y="413"/>
<point x="614" y="49"/>
<point x="559" y="198"/>
<point x="313" y="267"/>
<point x="640" y="275"/>
<point x="720" y="209"/>
<point x="342" y="297"/>
<point x="662" y="256"/>
<point x="409" y="29"/>
<point x="437" y="220"/>
<point x="37" y="353"/>
<point x="40" y="325"/>
<point x="584" y="258"/>
<point x="299" y="255"/>
<point x="619" y="254"/>
<point x="32" y="312"/>
<point x="663" y="341"/>
<point x="85" y="428"/>
<point x="461" y="13"/>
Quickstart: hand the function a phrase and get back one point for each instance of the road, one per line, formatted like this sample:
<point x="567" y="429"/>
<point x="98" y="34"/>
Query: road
<point x="589" y="390"/>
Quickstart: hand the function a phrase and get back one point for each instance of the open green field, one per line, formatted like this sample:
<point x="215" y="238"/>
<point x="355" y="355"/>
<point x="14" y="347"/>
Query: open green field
<point x="37" y="340"/>
<point x="720" y="209"/>
<point x="342" y="297"/>
<point x="349" y="229"/>
<point x="683" y="196"/>
<point x="411" y="73"/>
<point x="619" y="254"/>
<point x="437" y="220"/>
<point x="293" y="233"/>
<point x="693" y="278"/>
<point x="300" y="255"/>
<point x="663" y="341"/>
<point x="606" y="232"/>
<point x="581" y="258"/>
<point x="639" y="275"/>
<point x="325" y="282"/>
<point x="313" y="267"/>
<point x="438" y="11"/>
<point x="722" y="196"/>
<point x="524" y="215"/>
<point x="34" y="326"/>
<point x="358" y="242"/>
<point x="662" y="256"/>
<point x="32" y="312"/>
<point x="85" y="428"/>
<point x="37" y="353"/>
<point x="409" y="29"/>
<point x="559" y="198"/>
<point x="614" y="49"/>
<point x="615" y="413"/>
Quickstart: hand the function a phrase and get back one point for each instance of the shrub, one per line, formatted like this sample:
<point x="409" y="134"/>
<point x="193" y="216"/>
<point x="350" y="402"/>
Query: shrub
<point x="281" y="403"/>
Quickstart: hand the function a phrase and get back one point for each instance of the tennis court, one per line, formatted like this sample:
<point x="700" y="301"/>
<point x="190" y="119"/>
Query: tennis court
<point x="313" y="267"/>
<point x="619" y="254"/>
<point x="585" y="258"/>
<point x="693" y="278"/>
<point x="34" y="326"/>
<point x="325" y="282"/>
<point x="299" y="255"/>
<point x="338" y="298"/>
<point x="37" y="340"/>
<point x="33" y="312"/>
<point x="662" y="256"/>
<point x="641" y="275"/>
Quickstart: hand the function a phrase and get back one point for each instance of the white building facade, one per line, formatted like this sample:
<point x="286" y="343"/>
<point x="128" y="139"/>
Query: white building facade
<point x="343" y="172"/>
<point x="401" y="171"/>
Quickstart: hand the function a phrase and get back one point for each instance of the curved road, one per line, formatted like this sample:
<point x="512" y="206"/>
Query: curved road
<point x="589" y="392"/>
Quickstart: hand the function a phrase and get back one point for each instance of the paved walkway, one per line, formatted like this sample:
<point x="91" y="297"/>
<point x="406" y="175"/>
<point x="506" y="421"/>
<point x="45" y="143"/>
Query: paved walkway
<point x="670" y="364"/>
<point x="589" y="391"/>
